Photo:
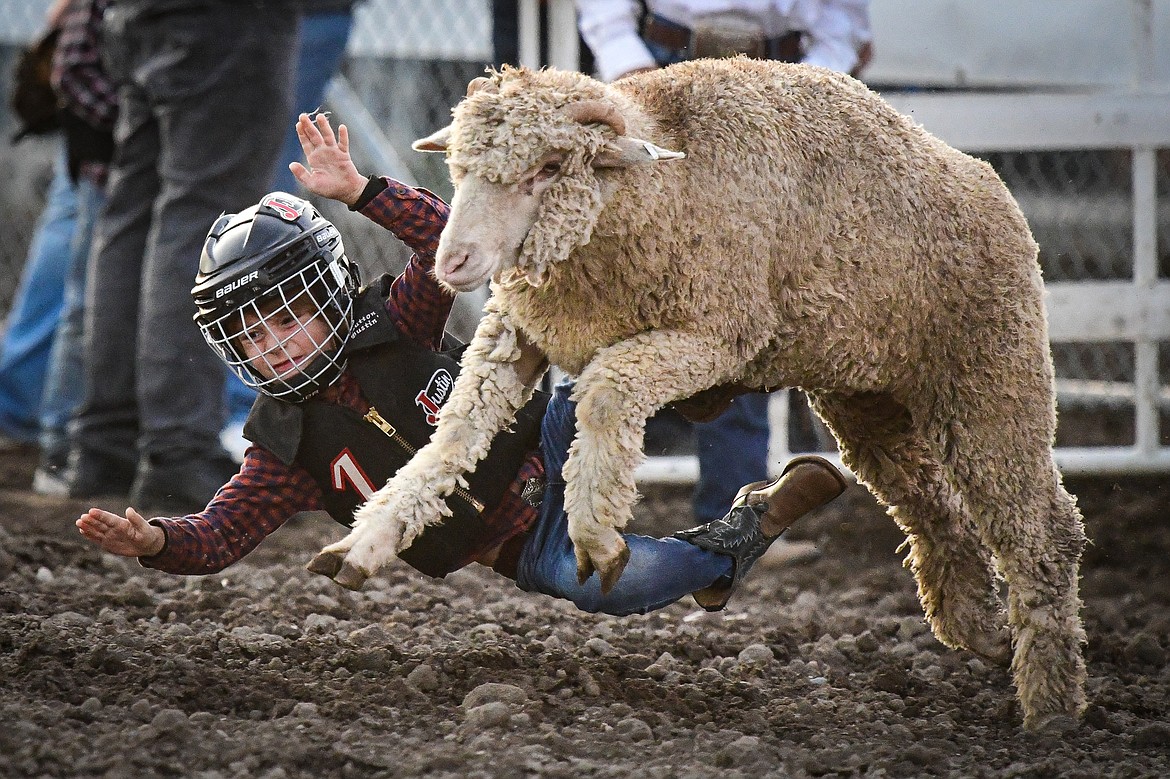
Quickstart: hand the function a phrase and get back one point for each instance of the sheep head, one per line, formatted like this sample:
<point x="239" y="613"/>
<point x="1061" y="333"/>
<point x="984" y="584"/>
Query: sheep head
<point x="525" y="150"/>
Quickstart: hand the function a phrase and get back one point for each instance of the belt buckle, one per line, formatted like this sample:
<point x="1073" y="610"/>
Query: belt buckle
<point x="726" y="35"/>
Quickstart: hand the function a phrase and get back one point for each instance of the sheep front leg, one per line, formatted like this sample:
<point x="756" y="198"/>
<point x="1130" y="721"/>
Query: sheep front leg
<point x="616" y="392"/>
<point x="497" y="374"/>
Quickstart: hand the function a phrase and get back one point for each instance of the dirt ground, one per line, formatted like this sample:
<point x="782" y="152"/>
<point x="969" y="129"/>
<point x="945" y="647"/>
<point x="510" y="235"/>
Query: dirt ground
<point x="823" y="668"/>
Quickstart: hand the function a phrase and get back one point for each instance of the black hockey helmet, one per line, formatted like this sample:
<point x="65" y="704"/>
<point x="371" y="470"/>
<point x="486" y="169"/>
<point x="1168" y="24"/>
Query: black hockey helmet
<point x="258" y="267"/>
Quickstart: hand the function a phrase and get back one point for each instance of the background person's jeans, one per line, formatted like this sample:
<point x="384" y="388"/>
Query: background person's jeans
<point x="319" y="54"/>
<point x="63" y="380"/>
<point x="733" y="451"/>
<point x="36" y="310"/>
<point x="660" y="570"/>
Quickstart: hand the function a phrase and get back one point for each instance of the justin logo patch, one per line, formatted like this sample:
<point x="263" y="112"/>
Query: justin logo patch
<point x="435" y="395"/>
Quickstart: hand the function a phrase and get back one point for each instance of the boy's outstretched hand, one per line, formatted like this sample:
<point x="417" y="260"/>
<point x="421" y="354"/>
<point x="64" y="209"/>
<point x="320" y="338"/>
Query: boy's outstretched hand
<point x="330" y="171"/>
<point x="129" y="536"/>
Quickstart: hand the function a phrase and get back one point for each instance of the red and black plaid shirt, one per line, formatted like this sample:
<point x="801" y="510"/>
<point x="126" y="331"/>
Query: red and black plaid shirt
<point x="266" y="492"/>
<point x="79" y="78"/>
<point x="78" y="75"/>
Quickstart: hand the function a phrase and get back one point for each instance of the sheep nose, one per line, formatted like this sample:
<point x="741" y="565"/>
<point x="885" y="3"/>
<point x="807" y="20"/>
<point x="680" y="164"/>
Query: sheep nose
<point x="451" y="262"/>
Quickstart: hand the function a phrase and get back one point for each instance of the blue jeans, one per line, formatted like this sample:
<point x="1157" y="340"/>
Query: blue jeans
<point x="63" y="381"/>
<point x="659" y="572"/>
<point x="319" y="54"/>
<point x="664" y="56"/>
<point x="32" y="322"/>
<point x="733" y="451"/>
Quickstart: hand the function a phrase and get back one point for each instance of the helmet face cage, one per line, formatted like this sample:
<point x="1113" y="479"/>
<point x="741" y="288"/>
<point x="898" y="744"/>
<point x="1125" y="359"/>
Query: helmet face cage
<point x="313" y="307"/>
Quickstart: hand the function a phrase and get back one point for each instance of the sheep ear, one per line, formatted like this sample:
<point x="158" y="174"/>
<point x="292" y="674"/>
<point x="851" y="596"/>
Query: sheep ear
<point x="437" y="141"/>
<point x="634" y="151"/>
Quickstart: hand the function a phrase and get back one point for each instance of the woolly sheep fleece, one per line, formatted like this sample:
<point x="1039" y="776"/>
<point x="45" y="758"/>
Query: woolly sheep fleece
<point x="812" y="237"/>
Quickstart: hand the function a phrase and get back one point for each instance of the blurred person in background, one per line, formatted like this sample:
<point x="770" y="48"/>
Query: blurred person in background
<point x="88" y="109"/>
<point x="629" y="36"/>
<point x="204" y="91"/>
<point x="36" y="307"/>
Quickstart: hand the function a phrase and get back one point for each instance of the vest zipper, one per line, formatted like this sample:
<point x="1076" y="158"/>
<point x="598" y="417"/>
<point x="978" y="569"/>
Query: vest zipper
<point x="374" y="418"/>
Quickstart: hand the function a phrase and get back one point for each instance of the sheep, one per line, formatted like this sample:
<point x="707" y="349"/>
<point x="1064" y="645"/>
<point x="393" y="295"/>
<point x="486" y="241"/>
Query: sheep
<point x="742" y="222"/>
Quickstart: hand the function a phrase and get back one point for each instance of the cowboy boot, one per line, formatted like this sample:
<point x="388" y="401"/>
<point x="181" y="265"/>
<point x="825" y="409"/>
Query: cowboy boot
<point x="760" y="514"/>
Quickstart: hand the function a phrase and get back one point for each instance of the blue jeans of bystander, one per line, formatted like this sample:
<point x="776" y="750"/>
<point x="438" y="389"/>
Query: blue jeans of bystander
<point x="32" y="322"/>
<point x="733" y="451"/>
<point x="63" y="381"/>
<point x="205" y="91"/>
<point x="319" y="53"/>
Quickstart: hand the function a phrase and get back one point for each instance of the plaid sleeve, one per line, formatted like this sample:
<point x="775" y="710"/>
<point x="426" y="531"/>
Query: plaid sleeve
<point x="417" y="303"/>
<point x="78" y="75"/>
<point x="257" y="501"/>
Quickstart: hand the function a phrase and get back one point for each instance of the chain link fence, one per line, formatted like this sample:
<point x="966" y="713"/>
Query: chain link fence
<point x="1080" y="206"/>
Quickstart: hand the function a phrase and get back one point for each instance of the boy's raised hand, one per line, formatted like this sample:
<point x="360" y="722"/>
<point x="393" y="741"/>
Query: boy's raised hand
<point x="129" y="536"/>
<point x="329" y="171"/>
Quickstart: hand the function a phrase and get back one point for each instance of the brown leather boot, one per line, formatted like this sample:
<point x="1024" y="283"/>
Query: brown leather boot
<point x="760" y="514"/>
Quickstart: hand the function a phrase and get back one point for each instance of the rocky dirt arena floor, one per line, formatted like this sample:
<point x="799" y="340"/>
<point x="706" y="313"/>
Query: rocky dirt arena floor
<point x="824" y="668"/>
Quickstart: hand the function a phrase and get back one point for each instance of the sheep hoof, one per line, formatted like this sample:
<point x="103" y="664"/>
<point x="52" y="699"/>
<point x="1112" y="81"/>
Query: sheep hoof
<point x="351" y="576"/>
<point x="326" y="563"/>
<point x="335" y="566"/>
<point x="584" y="569"/>
<point x="612" y="572"/>
<point x="608" y="571"/>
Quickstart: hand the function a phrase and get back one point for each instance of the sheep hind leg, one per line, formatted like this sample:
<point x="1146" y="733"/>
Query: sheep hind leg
<point x="1037" y="533"/>
<point x="953" y="570"/>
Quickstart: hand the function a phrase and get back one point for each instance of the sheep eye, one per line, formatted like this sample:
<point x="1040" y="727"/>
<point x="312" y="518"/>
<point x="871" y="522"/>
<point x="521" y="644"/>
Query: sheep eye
<point x="546" y="172"/>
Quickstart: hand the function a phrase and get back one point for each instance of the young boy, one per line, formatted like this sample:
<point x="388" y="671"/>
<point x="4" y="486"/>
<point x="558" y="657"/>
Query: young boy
<point x="351" y="382"/>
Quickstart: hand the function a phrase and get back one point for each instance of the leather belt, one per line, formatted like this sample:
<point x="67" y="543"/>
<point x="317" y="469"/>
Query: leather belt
<point x="676" y="37"/>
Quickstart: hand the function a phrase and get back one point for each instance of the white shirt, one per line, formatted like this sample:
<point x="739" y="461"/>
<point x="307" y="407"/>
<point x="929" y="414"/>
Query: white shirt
<point x="834" y="29"/>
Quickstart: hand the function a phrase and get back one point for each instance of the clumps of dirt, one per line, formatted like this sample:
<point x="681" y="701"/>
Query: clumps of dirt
<point x="821" y="666"/>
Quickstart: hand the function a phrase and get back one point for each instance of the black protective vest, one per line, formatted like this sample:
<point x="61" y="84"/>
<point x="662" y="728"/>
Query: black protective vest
<point x="350" y="456"/>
